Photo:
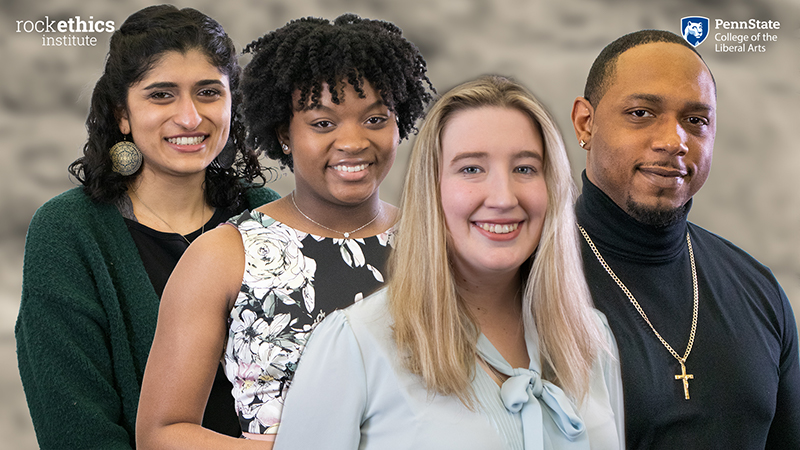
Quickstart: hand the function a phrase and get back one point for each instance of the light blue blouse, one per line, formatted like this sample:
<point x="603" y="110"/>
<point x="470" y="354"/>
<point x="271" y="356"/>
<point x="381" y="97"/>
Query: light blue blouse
<point x="352" y="392"/>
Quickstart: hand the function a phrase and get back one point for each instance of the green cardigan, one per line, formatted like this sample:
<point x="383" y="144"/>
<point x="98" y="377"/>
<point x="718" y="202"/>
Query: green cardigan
<point x="86" y="322"/>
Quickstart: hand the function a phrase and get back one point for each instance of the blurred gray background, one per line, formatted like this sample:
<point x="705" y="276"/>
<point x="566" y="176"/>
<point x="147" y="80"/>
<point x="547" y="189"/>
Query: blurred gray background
<point x="547" y="45"/>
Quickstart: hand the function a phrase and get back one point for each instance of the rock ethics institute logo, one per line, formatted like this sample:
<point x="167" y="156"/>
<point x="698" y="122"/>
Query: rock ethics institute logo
<point x="694" y="29"/>
<point x="80" y="27"/>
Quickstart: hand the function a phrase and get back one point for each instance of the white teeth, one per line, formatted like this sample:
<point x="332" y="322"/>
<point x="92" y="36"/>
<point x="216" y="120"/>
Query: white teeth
<point x="186" y="140"/>
<point x="343" y="168"/>
<point x="499" y="229"/>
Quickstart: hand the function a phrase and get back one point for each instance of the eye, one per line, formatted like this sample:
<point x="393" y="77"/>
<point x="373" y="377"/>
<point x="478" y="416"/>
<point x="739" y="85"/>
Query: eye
<point x="699" y="121"/>
<point x="376" y="120"/>
<point x="526" y="170"/>
<point x="641" y="113"/>
<point x="470" y="170"/>
<point x="160" y="95"/>
<point x="323" y="124"/>
<point x="209" y="93"/>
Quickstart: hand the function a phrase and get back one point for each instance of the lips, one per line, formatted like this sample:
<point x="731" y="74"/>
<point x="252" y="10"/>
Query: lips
<point x="664" y="171"/>
<point x="498" y="228"/>
<point x="187" y="140"/>
<point x="350" y="168"/>
<point x="664" y="177"/>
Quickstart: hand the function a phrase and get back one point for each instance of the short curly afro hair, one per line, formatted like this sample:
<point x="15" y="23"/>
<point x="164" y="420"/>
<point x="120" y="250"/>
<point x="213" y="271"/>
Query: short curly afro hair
<point x="305" y="53"/>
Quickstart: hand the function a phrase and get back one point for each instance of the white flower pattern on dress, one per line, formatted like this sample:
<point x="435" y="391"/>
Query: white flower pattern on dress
<point x="277" y="309"/>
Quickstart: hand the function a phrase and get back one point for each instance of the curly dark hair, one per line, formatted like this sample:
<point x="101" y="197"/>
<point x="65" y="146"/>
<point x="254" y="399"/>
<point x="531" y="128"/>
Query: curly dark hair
<point x="604" y="66"/>
<point x="305" y="53"/>
<point x="134" y="49"/>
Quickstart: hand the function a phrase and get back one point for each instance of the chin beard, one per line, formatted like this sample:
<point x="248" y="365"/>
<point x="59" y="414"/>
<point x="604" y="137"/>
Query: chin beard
<point x="655" y="216"/>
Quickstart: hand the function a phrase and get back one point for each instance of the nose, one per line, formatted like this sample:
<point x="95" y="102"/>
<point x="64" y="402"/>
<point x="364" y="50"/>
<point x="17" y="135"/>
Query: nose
<point x="500" y="191"/>
<point x="351" y="138"/>
<point x="187" y="115"/>
<point x="671" y="137"/>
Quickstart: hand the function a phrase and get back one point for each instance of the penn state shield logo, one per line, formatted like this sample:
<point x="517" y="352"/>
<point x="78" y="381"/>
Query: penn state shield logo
<point x="694" y="29"/>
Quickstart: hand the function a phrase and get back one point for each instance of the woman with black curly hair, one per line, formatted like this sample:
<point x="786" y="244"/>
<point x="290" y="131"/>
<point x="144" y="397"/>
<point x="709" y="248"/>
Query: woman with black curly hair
<point x="156" y="173"/>
<point x="331" y="101"/>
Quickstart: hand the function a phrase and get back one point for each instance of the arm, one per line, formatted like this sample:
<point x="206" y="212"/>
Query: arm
<point x="75" y="361"/>
<point x="328" y="396"/>
<point x="785" y="429"/>
<point x="188" y="344"/>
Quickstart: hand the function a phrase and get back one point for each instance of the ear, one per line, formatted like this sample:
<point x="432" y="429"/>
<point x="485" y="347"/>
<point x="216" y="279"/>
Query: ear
<point x="123" y="122"/>
<point x="582" y="118"/>
<point x="283" y="138"/>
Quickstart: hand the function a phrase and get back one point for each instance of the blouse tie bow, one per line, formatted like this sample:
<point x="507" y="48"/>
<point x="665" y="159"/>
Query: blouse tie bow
<point x="525" y="392"/>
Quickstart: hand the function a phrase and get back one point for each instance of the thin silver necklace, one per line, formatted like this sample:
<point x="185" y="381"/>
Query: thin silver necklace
<point x="202" y="229"/>
<point x="345" y="234"/>
<point x="684" y="377"/>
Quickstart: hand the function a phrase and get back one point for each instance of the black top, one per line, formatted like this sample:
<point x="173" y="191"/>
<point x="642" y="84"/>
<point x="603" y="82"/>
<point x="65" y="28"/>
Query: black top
<point x="160" y="253"/>
<point x="745" y="393"/>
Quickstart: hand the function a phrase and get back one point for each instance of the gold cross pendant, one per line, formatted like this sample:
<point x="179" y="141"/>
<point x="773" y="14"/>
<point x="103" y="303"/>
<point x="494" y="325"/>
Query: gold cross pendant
<point x="685" y="377"/>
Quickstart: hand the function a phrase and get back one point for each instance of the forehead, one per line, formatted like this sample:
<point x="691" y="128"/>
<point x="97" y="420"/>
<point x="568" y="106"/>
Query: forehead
<point x="490" y="129"/>
<point x="184" y="66"/>
<point x="345" y="91"/>
<point x="662" y="69"/>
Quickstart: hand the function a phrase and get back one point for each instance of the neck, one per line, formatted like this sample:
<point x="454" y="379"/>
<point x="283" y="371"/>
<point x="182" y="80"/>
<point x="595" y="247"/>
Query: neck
<point x="170" y="204"/>
<point x="492" y="293"/>
<point x="496" y="305"/>
<point x="614" y="231"/>
<point x="339" y="217"/>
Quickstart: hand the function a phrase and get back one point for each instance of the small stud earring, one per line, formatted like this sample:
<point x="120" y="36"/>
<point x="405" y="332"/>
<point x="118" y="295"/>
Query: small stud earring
<point x="582" y="143"/>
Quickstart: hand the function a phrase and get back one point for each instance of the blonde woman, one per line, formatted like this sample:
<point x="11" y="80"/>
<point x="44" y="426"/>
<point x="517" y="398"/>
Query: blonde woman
<point x="485" y="336"/>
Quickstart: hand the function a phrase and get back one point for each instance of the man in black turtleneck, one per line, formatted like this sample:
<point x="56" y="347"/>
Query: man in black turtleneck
<point x="711" y="363"/>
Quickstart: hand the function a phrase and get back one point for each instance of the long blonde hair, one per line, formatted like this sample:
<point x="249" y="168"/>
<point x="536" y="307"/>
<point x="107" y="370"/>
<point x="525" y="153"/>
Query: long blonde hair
<point x="434" y="332"/>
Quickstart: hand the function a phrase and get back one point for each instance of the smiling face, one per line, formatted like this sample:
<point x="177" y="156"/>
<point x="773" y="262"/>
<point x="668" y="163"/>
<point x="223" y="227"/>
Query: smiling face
<point x="179" y="114"/>
<point x="493" y="190"/>
<point x="341" y="152"/>
<point x="652" y="133"/>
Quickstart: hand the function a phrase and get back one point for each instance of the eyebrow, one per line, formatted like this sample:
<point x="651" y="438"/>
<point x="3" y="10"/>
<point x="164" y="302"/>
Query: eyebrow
<point x="320" y="106"/>
<point x="481" y="155"/>
<point x="170" y="84"/>
<point x="659" y="100"/>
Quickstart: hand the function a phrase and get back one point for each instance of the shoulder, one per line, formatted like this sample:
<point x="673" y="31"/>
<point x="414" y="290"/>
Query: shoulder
<point x="371" y="311"/>
<point x="212" y="266"/>
<point x="716" y="243"/>
<point x="222" y="241"/>
<point x="72" y="217"/>
<point x="255" y="197"/>
<point x="367" y="321"/>
<point x="722" y="254"/>
<point x="73" y="204"/>
<point x="256" y="223"/>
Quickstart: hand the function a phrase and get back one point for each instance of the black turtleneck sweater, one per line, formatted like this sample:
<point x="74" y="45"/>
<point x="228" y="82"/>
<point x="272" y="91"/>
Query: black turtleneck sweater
<point x="746" y="388"/>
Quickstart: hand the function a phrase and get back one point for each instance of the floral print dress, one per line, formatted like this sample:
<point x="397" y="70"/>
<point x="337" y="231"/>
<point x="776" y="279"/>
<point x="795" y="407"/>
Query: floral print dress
<point x="292" y="280"/>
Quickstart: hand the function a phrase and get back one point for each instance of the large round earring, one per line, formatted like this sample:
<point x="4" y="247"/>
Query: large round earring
<point x="126" y="158"/>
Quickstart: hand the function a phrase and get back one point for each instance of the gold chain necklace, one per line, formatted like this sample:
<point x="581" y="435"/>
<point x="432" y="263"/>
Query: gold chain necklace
<point x="202" y="229"/>
<point x="345" y="234"/>
<point x="682" y="360"/>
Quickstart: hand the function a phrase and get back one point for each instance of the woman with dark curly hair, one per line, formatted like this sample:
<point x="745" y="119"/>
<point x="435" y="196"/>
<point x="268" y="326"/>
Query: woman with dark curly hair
<point x="156" y="174"/>
<point x="331" y="101"/>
